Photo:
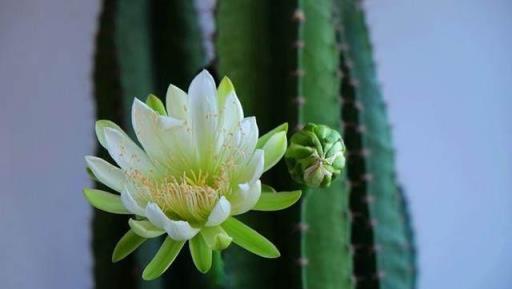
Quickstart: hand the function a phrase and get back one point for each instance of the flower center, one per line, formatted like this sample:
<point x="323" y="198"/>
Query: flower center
<point x="190" y="196"/>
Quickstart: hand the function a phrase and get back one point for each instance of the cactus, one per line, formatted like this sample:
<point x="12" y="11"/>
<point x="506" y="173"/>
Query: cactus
<point x="133" y="59"/>
<point x="382" y="260"/>
<point x="295" y="61"/>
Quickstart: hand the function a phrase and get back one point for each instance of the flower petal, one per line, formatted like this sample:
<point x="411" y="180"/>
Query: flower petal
<point x="145" y="228"/>
<point x="248" y="136"/>
<point x="274" y="149"/>
<point x="100" y="127"/>
<point x="253" y="170"/>
<point x="203" y="113"/>
<point x="111" y="176"/>
<point x="231" y="113"/>
<point x="130" y="203"/>
<point x="245" y="198"/>
<point x="126" y="153"/>
<point x="147" y="125"/>
<point x="163" y="259"/>
<point x="176" y="102"/>
<point x="220" y="212"/>
<point x="264" y="138"/>
<point x="177" y="230"/>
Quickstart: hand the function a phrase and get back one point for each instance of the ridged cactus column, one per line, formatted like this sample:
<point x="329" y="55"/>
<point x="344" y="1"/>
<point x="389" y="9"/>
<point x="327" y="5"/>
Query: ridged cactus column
<point x="142" y="46"/>
<point x="381" y="239"/>
<point x="283" y="58"/>
<point x="254" y="48"/>
<point x="108" y="228"/>
<point x="352" y="234"/>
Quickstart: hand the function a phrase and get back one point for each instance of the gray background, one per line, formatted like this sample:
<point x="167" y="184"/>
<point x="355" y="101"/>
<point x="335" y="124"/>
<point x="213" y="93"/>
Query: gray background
<point x="446" y="69"/>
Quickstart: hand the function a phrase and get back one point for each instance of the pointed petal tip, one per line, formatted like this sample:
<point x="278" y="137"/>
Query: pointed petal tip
<point x="285" y="126"/>
<point x="138" y="106"/>
<point x="204" y="75"/>
<point x="89" y="159"/>
<point x="226" y="86"/>
<point x="277" y="254"/>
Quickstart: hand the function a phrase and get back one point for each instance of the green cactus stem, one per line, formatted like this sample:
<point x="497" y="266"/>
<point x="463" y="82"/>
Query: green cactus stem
<point x="380" y="238"/>
<point x="254" y="49"/>
<point x="142" y="46"/>
<point x="324" y="212"/>
<point x="108" y="228"/>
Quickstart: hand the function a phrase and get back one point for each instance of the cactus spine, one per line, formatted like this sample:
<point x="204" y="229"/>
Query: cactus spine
<point x="297" y="61"/>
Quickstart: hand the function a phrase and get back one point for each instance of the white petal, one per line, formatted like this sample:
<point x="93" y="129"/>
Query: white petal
<point x="220" y="212"/>
<point x="100" y="127"/>
<point x="245" y="198"/>
<point x="130" y="203"/>
<point x="177" y="230"/>
<point x="166" y="122"/>
<point x="126" y="153"/>
<point x="111" y="176"/>
<point x="253" y="169"/>
<point x="248" y="136"/>
<point x="148" y="126"/>
<point x="203" y="113"/>
<point x="165" y="138"/>
<point x="232" y="113"/>
<point x="176" y="102"/>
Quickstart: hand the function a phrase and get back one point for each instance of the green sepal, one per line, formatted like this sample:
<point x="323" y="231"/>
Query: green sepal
<point x="201" y="253"/>
<point x="267" y="188"/>
<point x="274" y="149"/>
<point x="156" y="104"/>
<point x="225" y="88"/>
<point x="249" y="239"/>
<point x="277" y="201"/>
<point x="145" y="228"/>
<point x="216" y="238"/>
<point x="105" y="201"/>
<point x="163" y="259"/>
<point x="264" y="138"/>
<point x="126" y="245"/>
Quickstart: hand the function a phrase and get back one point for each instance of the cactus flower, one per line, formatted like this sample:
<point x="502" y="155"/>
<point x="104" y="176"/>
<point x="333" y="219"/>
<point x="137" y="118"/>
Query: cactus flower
<point x="316" y="155"/>
<point x="199" y="166"/>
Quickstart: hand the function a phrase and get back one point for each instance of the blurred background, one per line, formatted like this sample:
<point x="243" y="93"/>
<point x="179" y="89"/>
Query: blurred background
<point x="445" y="68"/>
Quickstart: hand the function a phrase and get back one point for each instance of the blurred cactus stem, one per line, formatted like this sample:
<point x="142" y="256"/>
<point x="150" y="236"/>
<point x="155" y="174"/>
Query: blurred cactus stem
<point x="316" y="156"/>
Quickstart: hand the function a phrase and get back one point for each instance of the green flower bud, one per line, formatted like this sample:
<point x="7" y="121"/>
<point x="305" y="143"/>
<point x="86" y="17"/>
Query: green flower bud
<point x="316" y="155"/>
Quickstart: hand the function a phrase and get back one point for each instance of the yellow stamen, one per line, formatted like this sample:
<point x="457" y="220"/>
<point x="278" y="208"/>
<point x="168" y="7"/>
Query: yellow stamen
<point x="189" y="197"/>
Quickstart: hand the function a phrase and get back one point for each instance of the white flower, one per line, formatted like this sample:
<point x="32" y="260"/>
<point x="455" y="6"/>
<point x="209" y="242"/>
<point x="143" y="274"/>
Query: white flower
<point x="200" y="163"/>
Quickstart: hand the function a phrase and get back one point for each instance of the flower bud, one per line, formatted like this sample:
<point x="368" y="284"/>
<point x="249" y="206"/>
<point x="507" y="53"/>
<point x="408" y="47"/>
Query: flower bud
<point x="316" y="155"/>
